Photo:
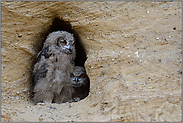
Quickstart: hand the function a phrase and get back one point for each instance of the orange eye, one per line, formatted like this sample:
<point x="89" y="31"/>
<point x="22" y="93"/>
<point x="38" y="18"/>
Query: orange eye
<point x="60" y="41"/>
<point x="81" y="76"/>
<point x="72" y="75"/>
<point x="64" y="42"/>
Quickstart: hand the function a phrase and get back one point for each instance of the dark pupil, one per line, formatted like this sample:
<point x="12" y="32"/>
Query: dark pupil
<point x="81" y="76"/>
<point x="72" y="75"/>
<point x="63" y="42"/>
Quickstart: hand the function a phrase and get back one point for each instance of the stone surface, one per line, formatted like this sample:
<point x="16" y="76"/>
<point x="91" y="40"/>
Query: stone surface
<point x="133" y="60"/>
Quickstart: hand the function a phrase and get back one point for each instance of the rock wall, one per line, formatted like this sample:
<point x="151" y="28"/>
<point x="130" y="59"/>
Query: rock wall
<point x="133" y="60"/>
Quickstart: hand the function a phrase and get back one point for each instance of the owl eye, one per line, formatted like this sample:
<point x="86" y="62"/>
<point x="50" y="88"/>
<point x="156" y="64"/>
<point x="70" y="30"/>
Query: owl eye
<point x="60" y="41"/>
<point x="72" y="75"/>
<point x="81" y="76"/>
<point x="64" y="42"/>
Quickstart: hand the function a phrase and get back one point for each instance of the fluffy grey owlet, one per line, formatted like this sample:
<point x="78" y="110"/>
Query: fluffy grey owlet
<point x="80" y="82"/>
<point x="55" y="62"/>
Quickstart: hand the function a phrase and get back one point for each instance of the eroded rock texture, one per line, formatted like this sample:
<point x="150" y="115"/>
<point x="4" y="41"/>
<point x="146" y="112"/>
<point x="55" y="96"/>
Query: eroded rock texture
<point x="133" y="60"/>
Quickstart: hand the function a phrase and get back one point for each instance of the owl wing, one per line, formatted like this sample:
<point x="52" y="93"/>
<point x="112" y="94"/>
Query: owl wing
<point x="41" y="73"/>
<point x="46" y="52"/>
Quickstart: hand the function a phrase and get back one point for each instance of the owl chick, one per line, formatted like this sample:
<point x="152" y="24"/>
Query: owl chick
<point x="80" y="82"/>
<point x="55" y="62"/>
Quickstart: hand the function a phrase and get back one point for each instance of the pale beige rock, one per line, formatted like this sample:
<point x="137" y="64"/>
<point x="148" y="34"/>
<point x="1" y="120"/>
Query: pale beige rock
<point x="125" y="42"/>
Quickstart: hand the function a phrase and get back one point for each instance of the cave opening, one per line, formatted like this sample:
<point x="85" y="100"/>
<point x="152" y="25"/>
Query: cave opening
<point x="61" y="25"/>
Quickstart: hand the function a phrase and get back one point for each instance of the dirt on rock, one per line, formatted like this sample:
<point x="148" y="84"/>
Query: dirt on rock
<point x="133" y="52"/>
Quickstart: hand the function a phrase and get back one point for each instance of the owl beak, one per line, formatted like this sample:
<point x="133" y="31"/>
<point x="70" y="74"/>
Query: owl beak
<point x="69" y="47"/>
<point x="76" y="79"/>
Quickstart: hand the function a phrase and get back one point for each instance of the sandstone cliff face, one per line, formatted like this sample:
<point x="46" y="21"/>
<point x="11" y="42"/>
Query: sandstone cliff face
<point x="133" y="52"/>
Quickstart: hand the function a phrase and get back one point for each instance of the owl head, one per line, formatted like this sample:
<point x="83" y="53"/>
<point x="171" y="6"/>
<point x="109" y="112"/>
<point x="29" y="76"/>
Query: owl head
<point x="78" y="77"/>
<point x="61" y="40"/>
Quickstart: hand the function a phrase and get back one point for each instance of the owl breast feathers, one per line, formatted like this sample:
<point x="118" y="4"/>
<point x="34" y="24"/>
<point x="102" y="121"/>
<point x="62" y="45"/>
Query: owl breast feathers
<point x="55" y="62"/>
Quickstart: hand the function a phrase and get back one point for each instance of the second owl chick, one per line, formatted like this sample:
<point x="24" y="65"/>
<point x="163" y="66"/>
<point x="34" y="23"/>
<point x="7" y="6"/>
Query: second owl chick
<point x="80" y="82"/>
